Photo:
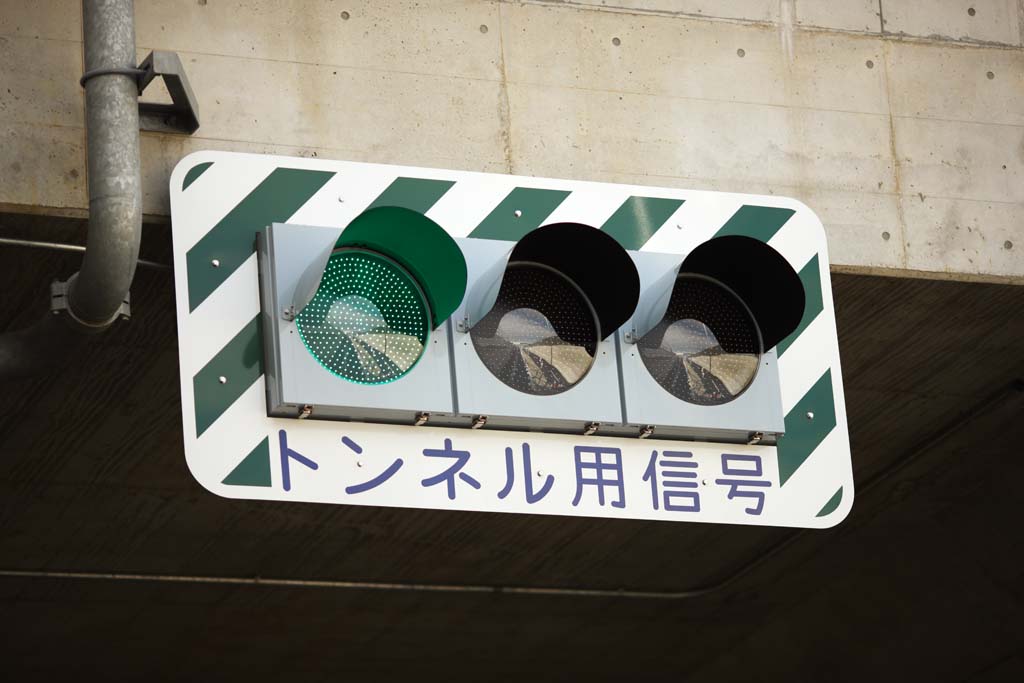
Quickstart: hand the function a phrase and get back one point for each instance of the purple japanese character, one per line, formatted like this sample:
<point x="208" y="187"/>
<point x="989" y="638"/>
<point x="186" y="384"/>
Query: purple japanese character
<point x="736" y="465"/>
<point x="531" y="495"/>
<point x="287" y="455"/>
<point x="676" y="470"/>
<point x="605" y="474"/>
<point x="376" y="481"/>
<point x="448" y="476"/>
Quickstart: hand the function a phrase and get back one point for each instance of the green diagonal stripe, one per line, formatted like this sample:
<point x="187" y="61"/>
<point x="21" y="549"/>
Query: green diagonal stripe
<point x="759" y="222"/>
<point x="534" y="206"/>
<point x="810" y="278"/>
<point x="232" y="240"/>
<point x="254" y="470"/>
<point x="638" y="219"/>
<point x="803" y="433"/>
<point x="194" y="173"/>
<point x="240" y="363"/>
<point x="416" y="194"/>
<point x="832" y="504"/>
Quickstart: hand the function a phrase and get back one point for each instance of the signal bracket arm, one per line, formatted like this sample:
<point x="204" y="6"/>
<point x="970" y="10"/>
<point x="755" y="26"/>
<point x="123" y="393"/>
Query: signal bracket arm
<point x="182" y="115"/>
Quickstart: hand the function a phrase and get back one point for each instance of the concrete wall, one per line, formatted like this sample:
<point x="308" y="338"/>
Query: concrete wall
<point x="901" y="122"/>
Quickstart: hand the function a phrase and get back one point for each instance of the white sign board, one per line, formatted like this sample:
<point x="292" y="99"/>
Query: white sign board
<point x="220" y="200"/>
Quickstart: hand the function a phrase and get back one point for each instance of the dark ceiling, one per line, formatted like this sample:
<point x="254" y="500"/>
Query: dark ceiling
<point x="924" y="580"/>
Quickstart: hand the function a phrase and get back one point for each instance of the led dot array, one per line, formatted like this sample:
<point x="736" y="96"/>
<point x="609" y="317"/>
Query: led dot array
<point x="706" y="349"/>
<point x="541" y="335"/>
<point x="368" y="322"/>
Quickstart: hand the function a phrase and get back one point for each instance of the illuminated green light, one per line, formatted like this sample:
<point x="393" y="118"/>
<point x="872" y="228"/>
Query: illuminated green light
<point x="368" y="322"/>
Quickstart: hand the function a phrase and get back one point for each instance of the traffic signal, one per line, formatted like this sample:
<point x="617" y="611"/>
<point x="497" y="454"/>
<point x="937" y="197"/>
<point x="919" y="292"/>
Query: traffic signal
<point x="534" y="340"/>
<point x="698" y="358"/>
<point x="349" y="315"/>
<point x="392" y="320"/>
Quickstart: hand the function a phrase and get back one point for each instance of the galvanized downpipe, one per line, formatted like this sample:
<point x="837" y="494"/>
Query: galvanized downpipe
<point x="96" y="292"/>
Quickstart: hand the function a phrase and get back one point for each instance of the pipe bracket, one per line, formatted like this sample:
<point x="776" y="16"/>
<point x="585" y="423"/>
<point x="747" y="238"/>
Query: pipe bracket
<point x="182" y="115"/>
<point x="132" y="72"/>
<point x="59" y="303"/>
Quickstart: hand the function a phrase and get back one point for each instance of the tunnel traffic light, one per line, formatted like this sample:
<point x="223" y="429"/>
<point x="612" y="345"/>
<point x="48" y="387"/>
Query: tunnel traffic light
<point x="355" y="321"/>
<point x="532" y="342"/>
<point x="373" y="334"/>
<point x="392" y="320"/>
<point x="366" y="306"/>
<point x="537" y="326"/>
<point x="698" y="355"/>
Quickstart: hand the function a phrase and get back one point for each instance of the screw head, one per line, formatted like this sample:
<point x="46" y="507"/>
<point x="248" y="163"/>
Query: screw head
<point x="222" y="379"/>
<point x="810" y="415"/>
<point x="517" y="213"/>
<point x="215" y="263"/>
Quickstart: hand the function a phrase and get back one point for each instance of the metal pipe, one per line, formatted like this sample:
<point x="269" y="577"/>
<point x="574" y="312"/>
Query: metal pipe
<point x="356" y="585"/>
<point x="64" y="246"/>
<point x="95" y="292"/>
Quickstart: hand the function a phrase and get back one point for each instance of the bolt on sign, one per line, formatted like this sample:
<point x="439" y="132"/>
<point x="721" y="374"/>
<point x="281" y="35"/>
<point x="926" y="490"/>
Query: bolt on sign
<point x="364" y="334"/>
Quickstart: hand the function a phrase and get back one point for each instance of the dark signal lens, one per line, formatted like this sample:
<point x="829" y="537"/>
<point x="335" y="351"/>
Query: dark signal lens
<point x="707" y="348"/>
<point x="541" y="335"/>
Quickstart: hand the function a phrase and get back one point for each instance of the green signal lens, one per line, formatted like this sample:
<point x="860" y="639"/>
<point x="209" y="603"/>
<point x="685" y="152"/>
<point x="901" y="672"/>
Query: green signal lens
<point x="369" y="321"/>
